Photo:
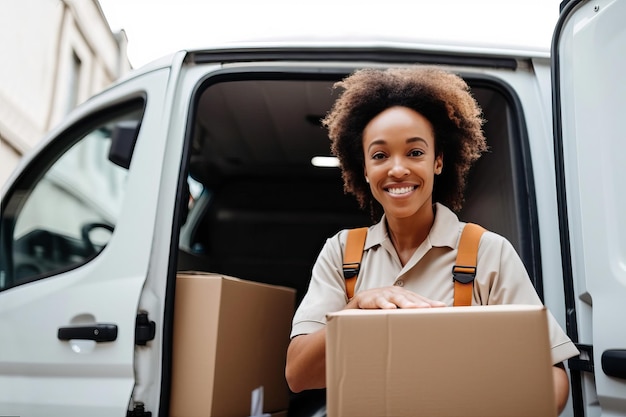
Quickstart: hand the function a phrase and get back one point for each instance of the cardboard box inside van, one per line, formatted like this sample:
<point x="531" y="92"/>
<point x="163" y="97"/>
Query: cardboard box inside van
<point x="230" y="337"/>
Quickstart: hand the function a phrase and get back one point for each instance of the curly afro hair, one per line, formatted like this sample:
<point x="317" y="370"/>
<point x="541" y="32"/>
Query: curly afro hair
<point x="440" y="96"/>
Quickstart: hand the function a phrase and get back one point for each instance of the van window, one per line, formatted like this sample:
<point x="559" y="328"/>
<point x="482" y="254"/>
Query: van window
<point x="63" y="210"/>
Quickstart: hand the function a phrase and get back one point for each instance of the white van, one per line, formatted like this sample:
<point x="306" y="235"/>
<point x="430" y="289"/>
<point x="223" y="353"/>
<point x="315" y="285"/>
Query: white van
<point x="208" y="160"/>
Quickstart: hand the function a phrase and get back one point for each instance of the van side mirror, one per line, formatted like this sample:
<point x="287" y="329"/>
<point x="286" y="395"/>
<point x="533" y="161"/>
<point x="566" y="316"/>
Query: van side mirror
<point x="123" y="139"/>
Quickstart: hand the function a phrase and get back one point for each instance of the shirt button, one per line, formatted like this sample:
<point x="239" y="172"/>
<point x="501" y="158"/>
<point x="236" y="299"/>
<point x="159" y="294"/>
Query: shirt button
<point x="399" y="283"/>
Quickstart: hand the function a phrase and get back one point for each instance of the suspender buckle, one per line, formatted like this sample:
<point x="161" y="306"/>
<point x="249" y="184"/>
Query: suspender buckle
<point x="463" y="274"/>
<point x="351" y="270"/>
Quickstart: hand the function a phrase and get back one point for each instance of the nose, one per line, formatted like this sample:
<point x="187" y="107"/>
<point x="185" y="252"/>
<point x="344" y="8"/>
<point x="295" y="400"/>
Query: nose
<point x="398" y="169"/>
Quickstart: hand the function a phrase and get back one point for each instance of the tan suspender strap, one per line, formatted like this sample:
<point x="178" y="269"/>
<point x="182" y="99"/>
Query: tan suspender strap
<point x="353" y="253"/>
<point x="464" y="271"/>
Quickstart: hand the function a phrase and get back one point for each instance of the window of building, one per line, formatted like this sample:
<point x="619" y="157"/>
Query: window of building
<point x="73" y="82"/>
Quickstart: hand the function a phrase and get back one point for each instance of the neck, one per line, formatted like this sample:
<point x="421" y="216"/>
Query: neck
<point x="408" y="233"/>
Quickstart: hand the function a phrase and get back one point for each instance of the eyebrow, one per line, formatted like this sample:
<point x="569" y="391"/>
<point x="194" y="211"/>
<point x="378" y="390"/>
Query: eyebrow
<point x="409" y="140"/>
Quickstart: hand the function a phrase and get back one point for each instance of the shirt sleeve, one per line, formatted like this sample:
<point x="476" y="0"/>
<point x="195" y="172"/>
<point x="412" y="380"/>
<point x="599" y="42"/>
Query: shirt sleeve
<point x="510" y="284"/>
<point x="326" y="292"/>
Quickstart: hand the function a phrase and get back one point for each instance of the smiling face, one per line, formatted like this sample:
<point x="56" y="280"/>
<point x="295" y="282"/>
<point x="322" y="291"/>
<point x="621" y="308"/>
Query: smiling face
<point x="400" y="161"/>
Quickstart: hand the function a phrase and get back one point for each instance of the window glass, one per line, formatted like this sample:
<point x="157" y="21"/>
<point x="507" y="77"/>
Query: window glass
<point x="63" y="214"/>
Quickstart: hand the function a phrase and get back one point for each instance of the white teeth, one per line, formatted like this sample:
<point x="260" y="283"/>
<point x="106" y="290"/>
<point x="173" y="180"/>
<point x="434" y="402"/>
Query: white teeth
<point x="401" y="190"/>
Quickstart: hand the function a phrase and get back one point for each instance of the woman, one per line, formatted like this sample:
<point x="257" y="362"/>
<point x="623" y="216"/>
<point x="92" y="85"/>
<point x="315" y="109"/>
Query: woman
<point x="406" y="139"/>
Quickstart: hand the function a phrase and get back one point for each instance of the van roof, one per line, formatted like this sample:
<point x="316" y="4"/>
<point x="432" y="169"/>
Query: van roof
<point x="455" y="45"/>
<point x="333" y="49"/>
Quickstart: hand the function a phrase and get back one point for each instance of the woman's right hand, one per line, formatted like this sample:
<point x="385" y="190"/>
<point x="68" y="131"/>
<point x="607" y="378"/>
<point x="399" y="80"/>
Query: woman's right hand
<point x="390" y="298"/>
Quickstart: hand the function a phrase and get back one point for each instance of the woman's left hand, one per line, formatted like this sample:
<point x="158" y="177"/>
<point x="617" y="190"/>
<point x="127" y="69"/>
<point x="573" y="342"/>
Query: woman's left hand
<point x="390" y="298"/>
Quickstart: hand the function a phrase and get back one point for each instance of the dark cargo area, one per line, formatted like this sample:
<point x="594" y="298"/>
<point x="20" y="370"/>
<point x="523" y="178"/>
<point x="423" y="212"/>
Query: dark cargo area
<point x="264" y="210"/>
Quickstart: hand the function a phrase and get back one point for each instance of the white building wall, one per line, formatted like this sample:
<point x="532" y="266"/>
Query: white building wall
<point x="55" y="54"/>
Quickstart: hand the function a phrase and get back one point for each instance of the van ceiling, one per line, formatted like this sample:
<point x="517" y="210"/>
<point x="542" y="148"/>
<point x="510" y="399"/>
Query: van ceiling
<point x="263" y="126"/>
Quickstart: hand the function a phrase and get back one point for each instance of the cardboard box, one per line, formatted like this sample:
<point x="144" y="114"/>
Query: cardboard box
<point x="230" y="337"/>
<point x="454" y="361"/>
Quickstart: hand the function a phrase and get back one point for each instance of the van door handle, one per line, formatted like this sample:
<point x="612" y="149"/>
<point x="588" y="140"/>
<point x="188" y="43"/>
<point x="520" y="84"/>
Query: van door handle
<point x="614" y="363"/>
<point x="99" y="332"/>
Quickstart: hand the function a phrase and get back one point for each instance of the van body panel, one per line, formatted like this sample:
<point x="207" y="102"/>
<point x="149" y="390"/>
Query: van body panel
<point x="589" y="142"/>
<point x="152" y="369"/>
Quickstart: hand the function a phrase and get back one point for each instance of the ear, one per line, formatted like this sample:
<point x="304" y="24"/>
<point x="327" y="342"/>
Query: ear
<point x="367" y="180"/>
<point x="438" y="164"/>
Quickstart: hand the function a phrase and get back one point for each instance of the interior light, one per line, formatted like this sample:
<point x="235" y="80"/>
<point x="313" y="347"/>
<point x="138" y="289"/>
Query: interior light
<point x="325" y="161"/>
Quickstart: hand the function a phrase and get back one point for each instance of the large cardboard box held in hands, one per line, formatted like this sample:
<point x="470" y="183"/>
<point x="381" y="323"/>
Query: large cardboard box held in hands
<point x="453" y="361"/>
<point x="230" y="337"/>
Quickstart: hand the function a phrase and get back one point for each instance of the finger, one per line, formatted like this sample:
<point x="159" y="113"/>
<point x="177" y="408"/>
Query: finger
<point x="404" y="302"/>
<point x="431" y="303"/>
<point x="416" y="301"/>
<point x="384" y="303"/>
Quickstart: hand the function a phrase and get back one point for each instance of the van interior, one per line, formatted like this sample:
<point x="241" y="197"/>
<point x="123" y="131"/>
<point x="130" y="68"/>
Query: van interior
<point x="261" y="207"/>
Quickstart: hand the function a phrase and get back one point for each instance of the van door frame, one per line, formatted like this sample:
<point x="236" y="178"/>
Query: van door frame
<point x="571" y="323"/>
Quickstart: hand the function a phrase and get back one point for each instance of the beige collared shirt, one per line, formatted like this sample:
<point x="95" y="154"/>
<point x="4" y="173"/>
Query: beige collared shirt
<point x="501" y="277"/>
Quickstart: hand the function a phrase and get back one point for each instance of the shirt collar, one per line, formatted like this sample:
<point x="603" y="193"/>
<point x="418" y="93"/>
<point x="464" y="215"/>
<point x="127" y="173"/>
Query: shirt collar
<point x="445" y="230"/>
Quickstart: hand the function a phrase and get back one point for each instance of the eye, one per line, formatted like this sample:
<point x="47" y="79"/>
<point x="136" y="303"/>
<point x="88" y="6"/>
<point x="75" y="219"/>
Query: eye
<point x="378" y="155"/>
<point x="416" y="153"/>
